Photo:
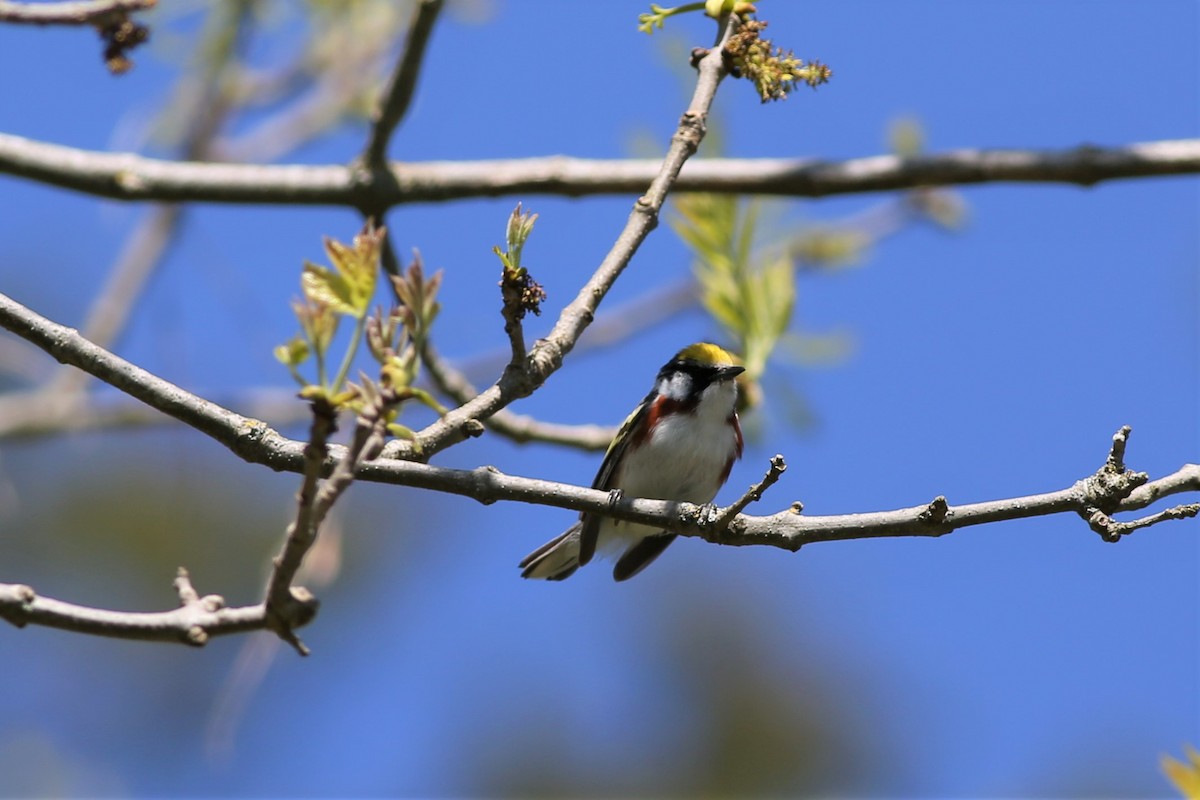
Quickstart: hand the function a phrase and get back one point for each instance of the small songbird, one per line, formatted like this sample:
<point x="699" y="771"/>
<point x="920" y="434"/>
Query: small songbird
<point x="679" y="444"/>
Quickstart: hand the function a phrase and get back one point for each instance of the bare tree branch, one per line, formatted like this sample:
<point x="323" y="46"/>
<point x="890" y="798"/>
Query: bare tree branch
<point x="752" y="495"/>
<point x="1113" y="489"/>
<point x="125" y="176"/>
<point x="403" y="84"/>
<point x="193" y="623"/>
<point x="518" y="427"/>
<point x="523" y="376"/>
<point x="200" y="618"/>
<point x="84" y="12"/>
<point x="282" y="599"/>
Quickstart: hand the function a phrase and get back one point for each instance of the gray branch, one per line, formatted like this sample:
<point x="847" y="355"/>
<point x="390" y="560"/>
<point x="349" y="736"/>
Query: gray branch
<point x="1096" y="498"/>
<point x="193" y="623"/>
<point x="84" y="12"/>
<point x="524" y="375"/>
<point x="125" y="176"/>
<point x="518" y="427"/>
<point x="1112" y="489"/>
<point x="403" y="84"/>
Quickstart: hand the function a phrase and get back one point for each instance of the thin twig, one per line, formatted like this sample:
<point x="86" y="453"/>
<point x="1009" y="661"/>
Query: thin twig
<point x="402" y="86"/>
<point x="753" y="494"/>
<point x="125" y="176"/>
<point x="1111" y="530"/>
<point x="287" y="604"/>
<point x="316" y="499"/>
<point x="193" y="623"/>
<point x="517" y="427"/>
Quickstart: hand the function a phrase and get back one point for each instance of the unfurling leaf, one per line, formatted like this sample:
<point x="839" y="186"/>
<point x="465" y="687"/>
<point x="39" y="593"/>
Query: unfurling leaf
<point x="318" y="322"/>
<point x="418" y="296"/>
<point x="350" y="285"/>
<point x="521" y="293"/>
<point x="520" y="225"/>
<point x="327" y="288"/>
<point x="294" y="353"/>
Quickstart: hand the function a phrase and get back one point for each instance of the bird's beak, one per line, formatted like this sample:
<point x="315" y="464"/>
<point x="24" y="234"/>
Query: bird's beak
<point x="730" y="372"/>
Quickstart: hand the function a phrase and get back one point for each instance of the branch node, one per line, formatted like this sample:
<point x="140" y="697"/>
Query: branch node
<point x="18" y="613"/>
<point x="296" y="611"/>
<point x="935" y="513"/>
<point x="196" y="636"/>
<point x="1112" y="530"/>
<point x="715" y="523"/>
<point x="1113" y="482"/>
<point x="1103" y="524"/>
<point x="212" y="603"/>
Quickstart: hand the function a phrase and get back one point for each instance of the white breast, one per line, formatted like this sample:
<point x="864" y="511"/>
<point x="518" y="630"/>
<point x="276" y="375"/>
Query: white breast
<point x="683" y="459"/>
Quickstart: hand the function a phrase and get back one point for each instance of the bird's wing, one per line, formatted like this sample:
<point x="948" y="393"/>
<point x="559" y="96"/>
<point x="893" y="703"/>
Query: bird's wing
<point x="605" y="477"/>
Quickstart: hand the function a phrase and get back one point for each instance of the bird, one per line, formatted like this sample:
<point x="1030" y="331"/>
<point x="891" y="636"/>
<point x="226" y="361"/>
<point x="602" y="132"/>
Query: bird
<point x="678" y="444"/>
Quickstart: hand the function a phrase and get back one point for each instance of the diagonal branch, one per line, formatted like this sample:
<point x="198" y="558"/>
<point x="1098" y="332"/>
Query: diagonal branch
<point x="752" y="495"/>
<point x="403" y="84"/>
<point x="290" y="606"/>
<point x="125" y="176"/>
<point x="518" y="427"/>
<point x="523" y="376"/>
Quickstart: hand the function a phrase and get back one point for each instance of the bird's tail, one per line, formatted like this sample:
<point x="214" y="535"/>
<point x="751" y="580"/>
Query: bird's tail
<point x="556" y="559"/>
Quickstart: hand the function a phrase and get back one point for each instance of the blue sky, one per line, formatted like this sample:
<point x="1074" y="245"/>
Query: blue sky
<point x="1019" y="659"/>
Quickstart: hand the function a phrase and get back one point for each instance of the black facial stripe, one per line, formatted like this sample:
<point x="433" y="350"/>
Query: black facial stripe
<point x="701" y="374"/>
